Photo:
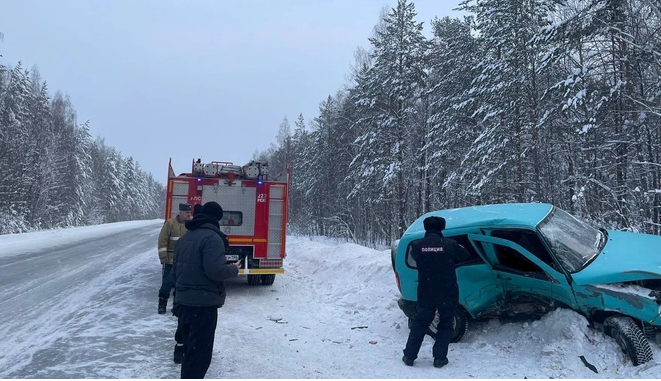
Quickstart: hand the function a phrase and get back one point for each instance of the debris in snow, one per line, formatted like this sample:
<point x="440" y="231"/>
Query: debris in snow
<point x="293" y="339"/>
<point x="277" y="320"/>
<point x="586" y="363"/>
<point x="359" y="327"/>
<point x="373" y="342"/>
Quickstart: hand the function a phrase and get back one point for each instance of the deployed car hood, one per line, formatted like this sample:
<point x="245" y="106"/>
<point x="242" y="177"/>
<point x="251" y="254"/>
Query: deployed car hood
<point x="626" y="257"/>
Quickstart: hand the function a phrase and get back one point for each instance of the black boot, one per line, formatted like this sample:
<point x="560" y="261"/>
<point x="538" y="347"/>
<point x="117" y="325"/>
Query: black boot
<point x="439" y="363"/>
<point x="178" y="354"/>
<point x="162" y="305"/>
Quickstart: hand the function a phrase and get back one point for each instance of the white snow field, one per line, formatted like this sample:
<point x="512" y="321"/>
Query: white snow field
<point x="81" y="303"/>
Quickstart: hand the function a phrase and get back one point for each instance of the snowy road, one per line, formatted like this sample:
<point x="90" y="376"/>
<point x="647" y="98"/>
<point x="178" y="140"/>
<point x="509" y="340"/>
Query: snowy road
<point x="86" y="308"/>
<point x="80" y="310"/>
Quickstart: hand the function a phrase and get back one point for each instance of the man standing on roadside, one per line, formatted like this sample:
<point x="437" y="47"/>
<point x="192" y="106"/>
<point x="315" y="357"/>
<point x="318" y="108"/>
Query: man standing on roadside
<point x="200" y="271"/>
<point x="179" y="349"/>
<point x="171" y="231"/>
<point x="436" y="258"/>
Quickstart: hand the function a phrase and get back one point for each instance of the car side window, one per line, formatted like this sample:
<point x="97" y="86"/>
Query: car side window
<point x="474" y="257"/>
<point x="509" y="258"/>
<point x="410" y="262"/>
<point x="527" y="239"/>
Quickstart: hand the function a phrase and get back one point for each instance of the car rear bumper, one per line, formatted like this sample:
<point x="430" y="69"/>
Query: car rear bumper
<point x="260" y="271"/>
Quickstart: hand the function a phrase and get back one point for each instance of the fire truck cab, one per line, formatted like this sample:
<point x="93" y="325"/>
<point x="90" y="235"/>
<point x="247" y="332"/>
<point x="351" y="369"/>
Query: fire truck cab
<point x="254" y="211"/>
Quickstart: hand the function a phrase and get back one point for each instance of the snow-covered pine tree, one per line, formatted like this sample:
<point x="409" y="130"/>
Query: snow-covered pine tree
<point x="82" y="173"/>
<point x="282" y="152"/>
<point x="15" y="120"/>
<point x="42" y="183"/>
<point x="453" y="59"/>
<point x="297" y="204"/>
<point x="305" y="180"/>
<point x="504" y="160"/>
<point x="323" y="166"/>
<point x="606" y="51"/>
<point x="392" y="85"/>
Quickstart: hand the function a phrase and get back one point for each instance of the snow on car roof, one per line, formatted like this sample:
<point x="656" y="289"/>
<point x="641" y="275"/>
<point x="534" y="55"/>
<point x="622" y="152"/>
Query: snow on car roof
<point x="514" y="214"/>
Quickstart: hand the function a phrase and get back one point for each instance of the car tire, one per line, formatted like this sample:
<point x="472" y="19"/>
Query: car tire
<point x="630" y="338"/>
<point x="460" y="325"/>
<point x="268" y="279"/>
<point x="253" y="280"/>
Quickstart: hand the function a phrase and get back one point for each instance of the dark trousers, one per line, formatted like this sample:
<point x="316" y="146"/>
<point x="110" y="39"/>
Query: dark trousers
<point x="178" y="335"/>
<point x="424" y="315"/>
<point x="198" y="329"/>
<point x="166" y="283"/>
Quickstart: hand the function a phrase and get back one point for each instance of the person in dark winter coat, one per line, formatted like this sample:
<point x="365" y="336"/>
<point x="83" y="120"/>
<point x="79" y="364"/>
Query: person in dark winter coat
<point x="200" y="269"/>
<point x="179" y="349"/>
<point x="436" y="258"/>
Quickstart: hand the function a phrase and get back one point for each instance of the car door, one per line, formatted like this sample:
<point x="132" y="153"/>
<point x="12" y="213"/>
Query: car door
<point x="479" y="290"/>
<point x="531" y="241"/>
<point x="523" y="274"/>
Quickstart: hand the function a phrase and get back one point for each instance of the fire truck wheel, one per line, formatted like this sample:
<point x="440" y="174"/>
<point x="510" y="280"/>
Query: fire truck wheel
<point x="268" y="279"/>
<point x="253" y="280"/>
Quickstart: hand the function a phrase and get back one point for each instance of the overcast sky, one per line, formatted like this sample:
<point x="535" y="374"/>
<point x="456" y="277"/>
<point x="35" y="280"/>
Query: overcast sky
<point x="187" y="79"/>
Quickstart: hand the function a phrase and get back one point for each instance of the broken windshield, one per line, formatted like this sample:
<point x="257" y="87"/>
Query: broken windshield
<point x="574" y="241"/>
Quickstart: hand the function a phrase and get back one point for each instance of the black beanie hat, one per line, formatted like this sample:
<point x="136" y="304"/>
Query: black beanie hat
<point x="434" y="223"/>
<point x="213" y="209"/>
<point x="197" y="209"/>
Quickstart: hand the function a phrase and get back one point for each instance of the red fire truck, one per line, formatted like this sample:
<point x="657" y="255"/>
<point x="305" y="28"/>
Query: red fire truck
<point x="254" y="211"/>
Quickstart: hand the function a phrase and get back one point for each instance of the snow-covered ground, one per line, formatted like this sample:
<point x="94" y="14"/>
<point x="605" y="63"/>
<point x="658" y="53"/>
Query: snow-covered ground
<point x="81" y="303"/>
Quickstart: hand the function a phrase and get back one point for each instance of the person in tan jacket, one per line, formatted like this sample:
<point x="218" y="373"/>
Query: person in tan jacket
<point x="171" y="231"/>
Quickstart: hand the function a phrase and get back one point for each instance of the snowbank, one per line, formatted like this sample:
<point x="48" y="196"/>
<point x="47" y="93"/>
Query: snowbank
<point x="359" y="283"/>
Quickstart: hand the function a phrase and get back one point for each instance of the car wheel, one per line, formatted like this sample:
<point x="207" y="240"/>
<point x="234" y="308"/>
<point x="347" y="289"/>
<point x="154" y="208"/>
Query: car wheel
<point x="268" y="279"/>
<point x="460" y="325"/>
<point x="253" y="280"/>
<point x="630" y="338"/>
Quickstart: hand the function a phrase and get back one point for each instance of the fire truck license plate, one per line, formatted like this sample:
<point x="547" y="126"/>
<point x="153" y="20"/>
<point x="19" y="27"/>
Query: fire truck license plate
<point x="232" y="257"/>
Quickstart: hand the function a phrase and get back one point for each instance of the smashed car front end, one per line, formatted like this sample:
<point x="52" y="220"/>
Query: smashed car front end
<point x="625" y="277"/>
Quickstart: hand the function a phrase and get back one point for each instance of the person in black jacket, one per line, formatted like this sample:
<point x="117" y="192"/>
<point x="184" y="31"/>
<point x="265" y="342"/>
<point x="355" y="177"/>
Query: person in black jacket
<point x="436" y="258"/>
<point x="199" y="271"/>
<point x="179" y="349"/>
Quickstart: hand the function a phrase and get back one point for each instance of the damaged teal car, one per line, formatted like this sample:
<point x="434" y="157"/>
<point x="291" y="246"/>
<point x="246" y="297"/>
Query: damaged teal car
<point x="529" y="259"/>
